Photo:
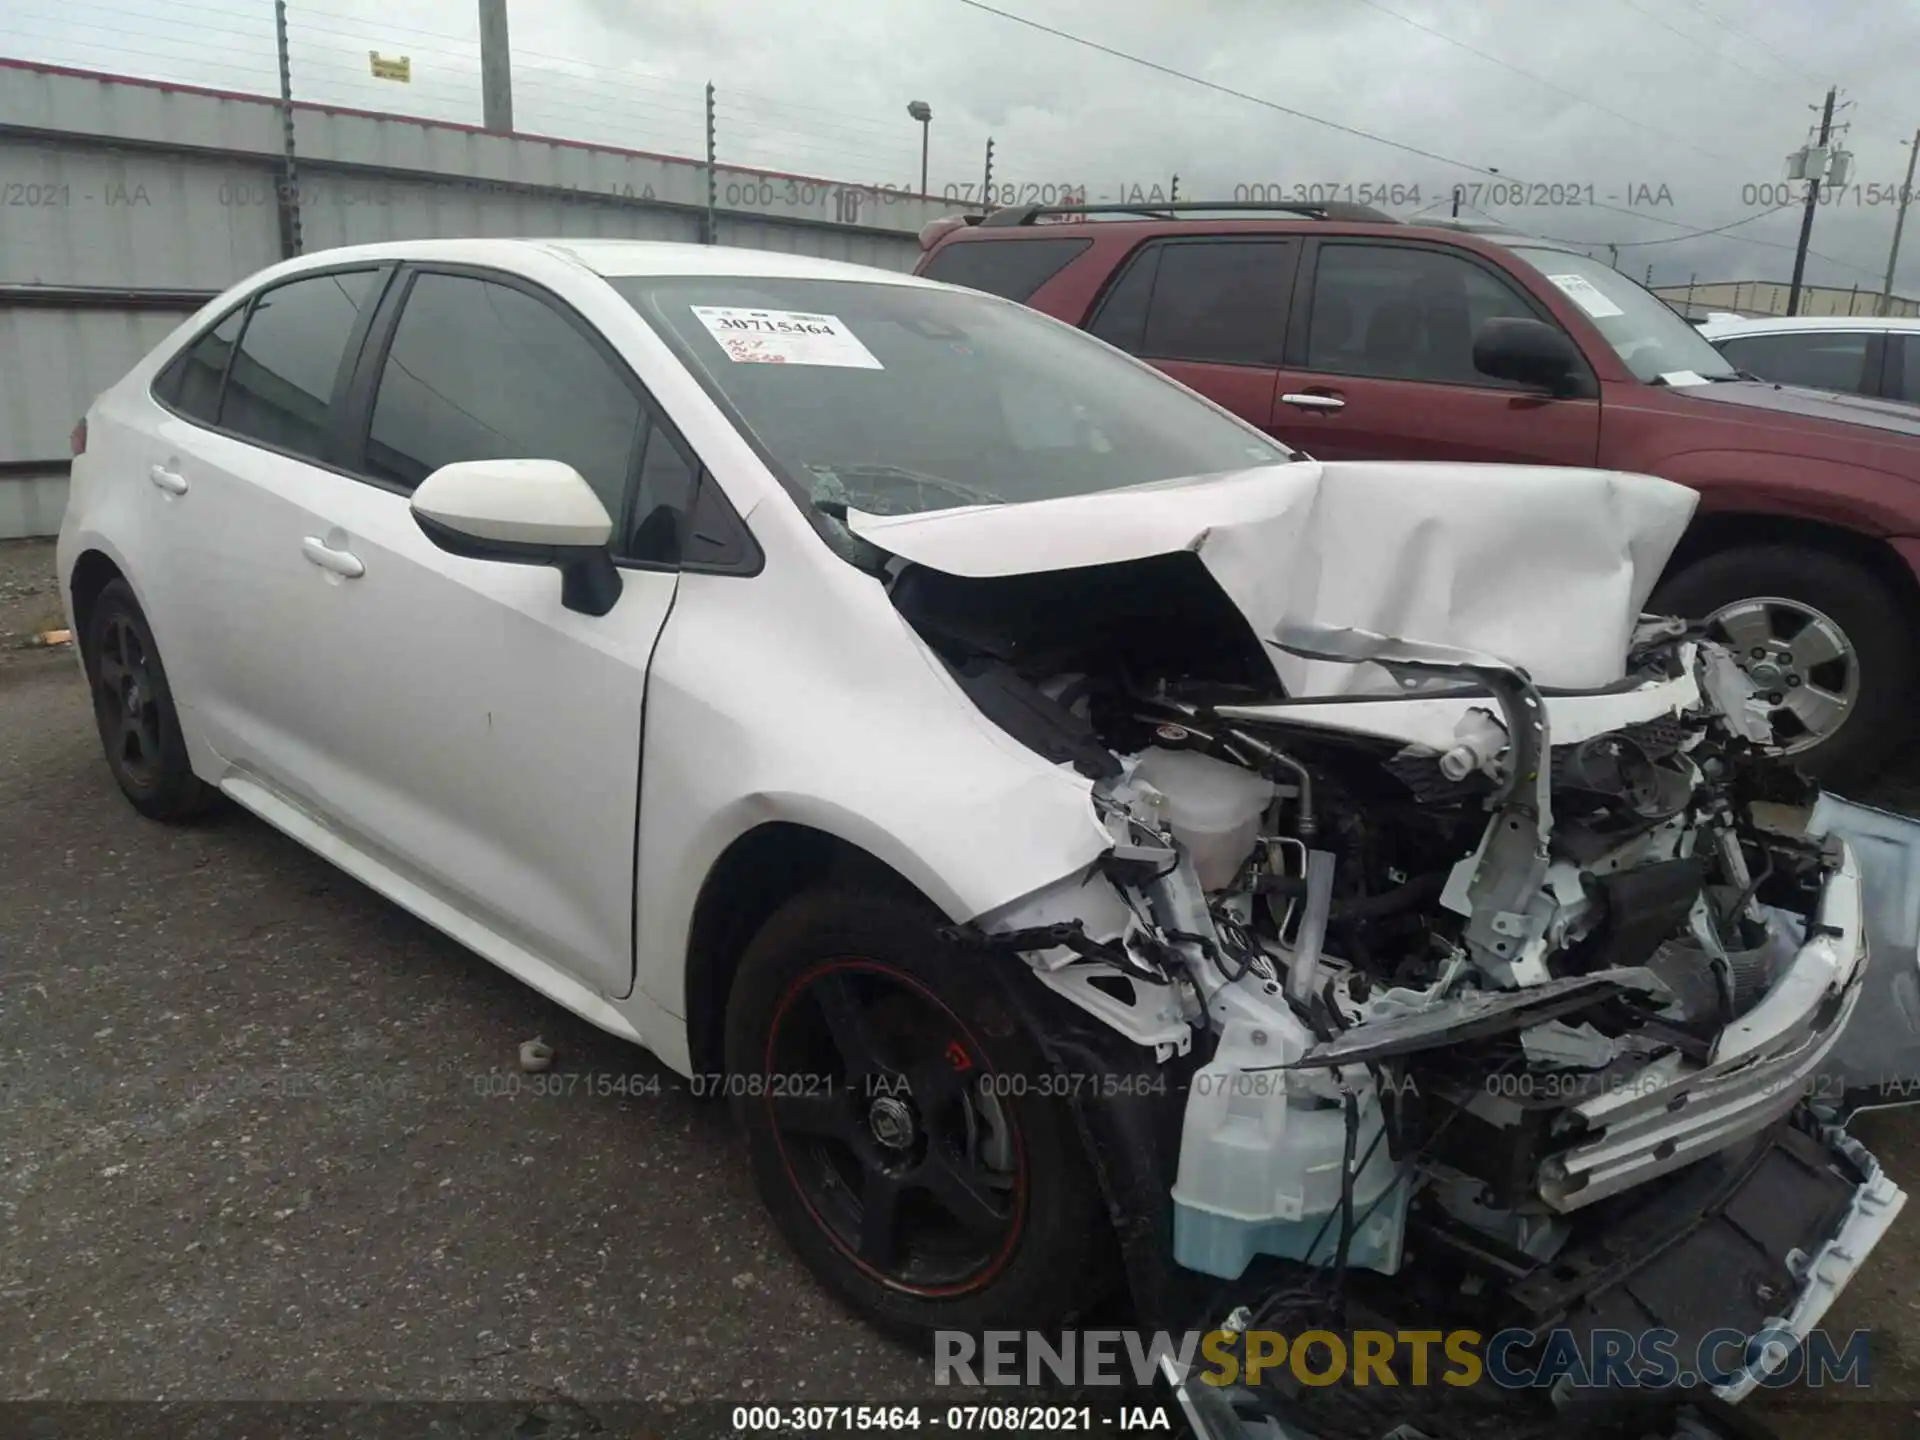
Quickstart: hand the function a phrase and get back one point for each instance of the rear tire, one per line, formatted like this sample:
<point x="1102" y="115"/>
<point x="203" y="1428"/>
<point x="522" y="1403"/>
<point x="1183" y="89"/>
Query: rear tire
<point x="953" y="1087"/>
<point x="134" y="709"/>
<point x="1819" y="589"/>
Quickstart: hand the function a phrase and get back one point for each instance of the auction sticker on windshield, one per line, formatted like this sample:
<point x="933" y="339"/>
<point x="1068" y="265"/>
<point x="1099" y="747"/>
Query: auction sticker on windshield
<point x="1588" y="296"/>
<point x="784" y="337"/>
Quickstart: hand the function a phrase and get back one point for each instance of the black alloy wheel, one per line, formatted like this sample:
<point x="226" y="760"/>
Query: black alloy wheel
<point x="902" y="1131"/>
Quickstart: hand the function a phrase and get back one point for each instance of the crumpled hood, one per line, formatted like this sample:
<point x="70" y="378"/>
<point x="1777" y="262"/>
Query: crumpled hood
<point x="1547" y="568"/>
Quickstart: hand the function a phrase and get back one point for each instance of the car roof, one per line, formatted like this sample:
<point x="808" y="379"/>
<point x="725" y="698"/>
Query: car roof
<point x="613" y="258"/>
<point x="1772" y="324"/>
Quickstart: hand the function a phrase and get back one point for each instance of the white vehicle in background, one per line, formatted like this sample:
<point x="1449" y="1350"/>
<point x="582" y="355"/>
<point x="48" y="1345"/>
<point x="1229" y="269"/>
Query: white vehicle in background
<point x="1098" y="846"/>
<point x="1871" y="356"/>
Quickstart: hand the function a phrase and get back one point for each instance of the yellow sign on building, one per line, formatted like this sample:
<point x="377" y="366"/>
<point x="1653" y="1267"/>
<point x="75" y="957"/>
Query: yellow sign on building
<point x="400" y="69"/>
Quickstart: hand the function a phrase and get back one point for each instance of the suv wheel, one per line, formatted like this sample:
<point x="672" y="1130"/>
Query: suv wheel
<point x="898" y="1129"/>
<point x="1828" y="642"/>
<point x="134" y="710"/>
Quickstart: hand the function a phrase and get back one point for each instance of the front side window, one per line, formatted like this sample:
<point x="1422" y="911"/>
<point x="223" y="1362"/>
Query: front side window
<point x="1648" y="335"/>
<point x="483" y="371"/>
<point x="1820" y="361"/>
<point x="280" y="384"/>
<point x="896" y="398"/>
<point x="1399" y="312"/>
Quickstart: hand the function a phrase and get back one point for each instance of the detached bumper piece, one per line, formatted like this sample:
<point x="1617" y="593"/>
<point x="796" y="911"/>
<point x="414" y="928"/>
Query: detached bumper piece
<point x="1675" y="1112"/>
<point x="1760" y="1238"/>
<point x="1756" y="1241"/>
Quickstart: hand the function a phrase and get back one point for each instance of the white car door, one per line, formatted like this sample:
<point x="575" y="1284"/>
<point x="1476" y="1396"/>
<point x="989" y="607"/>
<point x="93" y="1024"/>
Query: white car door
<point x="249" y="439"/>
<point x="459" y="722"/>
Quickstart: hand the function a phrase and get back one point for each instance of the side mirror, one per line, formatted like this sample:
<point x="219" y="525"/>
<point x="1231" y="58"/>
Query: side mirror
<point x="1529" y="351"/>
<point x="524" y="512"/>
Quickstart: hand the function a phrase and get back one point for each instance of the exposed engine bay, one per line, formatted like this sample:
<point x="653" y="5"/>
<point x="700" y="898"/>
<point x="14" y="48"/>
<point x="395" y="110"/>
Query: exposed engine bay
<point x="1467" y="960"/>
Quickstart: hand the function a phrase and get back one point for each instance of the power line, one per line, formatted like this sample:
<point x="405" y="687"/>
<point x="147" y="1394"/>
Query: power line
<point x="1265" y="103"/>
<point x="1756" y="41"/>
<point x="1698" y="43"/>
<point x="1573" y="95"/>
<point x="1259" y="100"/>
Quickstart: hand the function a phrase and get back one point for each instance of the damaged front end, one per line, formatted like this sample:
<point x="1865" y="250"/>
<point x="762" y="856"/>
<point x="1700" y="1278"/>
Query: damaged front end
<point x="1499" y="992"/>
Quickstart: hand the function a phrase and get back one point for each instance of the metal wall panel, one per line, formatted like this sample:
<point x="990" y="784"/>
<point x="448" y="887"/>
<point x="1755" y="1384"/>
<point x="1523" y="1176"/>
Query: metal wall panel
<point x="84" y="215"/>
<point x="140" y="186"/>
<point x="887" y="252"/>
<point x="346" y="208"/>
<point x="54" y="362"/>
<point x="31" y="505"/>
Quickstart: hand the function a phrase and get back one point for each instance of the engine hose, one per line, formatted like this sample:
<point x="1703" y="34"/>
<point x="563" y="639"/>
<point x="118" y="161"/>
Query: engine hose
<point x="1363" y="907"/>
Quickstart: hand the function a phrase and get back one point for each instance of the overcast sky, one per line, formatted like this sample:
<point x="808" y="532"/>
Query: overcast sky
<point x="1678" y="113"/>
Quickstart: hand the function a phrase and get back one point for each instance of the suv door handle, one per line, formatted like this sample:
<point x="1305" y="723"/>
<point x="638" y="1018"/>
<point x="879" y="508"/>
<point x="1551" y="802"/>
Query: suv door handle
<point x="1309" y="401"/>
<point x="170" y="481"/>
<point x="340" y="562"/>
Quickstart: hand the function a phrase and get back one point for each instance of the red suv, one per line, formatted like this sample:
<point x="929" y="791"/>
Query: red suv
<point x="1349" y="335"/>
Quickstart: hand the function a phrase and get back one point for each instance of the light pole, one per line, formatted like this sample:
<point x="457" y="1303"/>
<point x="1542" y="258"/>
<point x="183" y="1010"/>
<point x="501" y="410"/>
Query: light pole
<point x="923" y="112"/>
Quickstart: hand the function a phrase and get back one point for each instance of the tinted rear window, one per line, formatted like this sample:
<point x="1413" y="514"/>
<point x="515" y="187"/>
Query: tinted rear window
<point x="1011" y="269"/>
<point x="280" y="383"/>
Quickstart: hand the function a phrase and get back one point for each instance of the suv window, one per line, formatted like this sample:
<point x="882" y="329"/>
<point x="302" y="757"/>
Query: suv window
<point x="1012" y="269"/>
<point x="280" y="384"/>
<point x="1400" y="312"/>
<point x="191" y="384"/>
<point x="1822" y="360"/>
<point x="483" y="371"/>
<point x="1221" y="302"/>
<point x="1903" y="367"/>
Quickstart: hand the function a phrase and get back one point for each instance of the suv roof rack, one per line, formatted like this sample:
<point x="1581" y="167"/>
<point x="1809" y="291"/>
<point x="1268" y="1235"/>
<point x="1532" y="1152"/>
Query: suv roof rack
<point x="1329" y="210"/>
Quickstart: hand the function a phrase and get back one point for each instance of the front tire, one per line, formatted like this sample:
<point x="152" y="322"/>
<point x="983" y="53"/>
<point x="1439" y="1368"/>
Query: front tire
<point x="898" y="1129"/>
<point x="134" y="710"/>
<point x="1831" y="645"/>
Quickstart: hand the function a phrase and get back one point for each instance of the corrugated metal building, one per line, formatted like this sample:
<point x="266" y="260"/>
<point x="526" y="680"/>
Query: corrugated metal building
<point x="126" y="204"/>
<point x="1769" y="297"/>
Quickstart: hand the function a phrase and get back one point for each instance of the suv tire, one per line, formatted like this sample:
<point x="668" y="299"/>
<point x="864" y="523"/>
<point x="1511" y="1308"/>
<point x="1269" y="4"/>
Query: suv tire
<point x="1872" y="618"/>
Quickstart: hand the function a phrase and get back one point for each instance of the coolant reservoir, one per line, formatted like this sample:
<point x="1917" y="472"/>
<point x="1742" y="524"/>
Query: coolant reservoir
<point x="1213" y="808"/>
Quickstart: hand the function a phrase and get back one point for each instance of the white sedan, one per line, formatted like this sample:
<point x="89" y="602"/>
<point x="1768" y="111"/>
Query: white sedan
<point x="1066" y="820"/>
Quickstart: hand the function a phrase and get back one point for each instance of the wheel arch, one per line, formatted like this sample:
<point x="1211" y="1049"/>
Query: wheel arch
<point x="92" y="572"/>
<point x="753" y="877"/>
<point x="1717" y="531"/>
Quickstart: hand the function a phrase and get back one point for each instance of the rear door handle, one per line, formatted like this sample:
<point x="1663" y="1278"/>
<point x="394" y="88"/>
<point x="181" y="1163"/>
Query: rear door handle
<point x="340" y="562"/>
<point x="170" y="481"/>
<point x="1308" y="401"/>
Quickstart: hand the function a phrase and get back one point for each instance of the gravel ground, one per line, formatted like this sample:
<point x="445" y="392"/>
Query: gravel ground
<point x="248" y="1149"/>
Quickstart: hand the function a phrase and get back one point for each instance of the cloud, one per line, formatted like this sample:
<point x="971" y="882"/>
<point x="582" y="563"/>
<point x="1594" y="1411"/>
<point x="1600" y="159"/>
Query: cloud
<point x="1691" y="109"/>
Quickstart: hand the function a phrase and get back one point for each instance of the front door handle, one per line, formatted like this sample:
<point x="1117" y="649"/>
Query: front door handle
<point x="340" y="562"/>
<point x="1309" y="401"/>
<point x="171" y="481"/>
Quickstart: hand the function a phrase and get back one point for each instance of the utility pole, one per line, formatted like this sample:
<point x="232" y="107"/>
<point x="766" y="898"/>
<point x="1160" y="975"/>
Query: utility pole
<point x="1456" y="201"/>
<point x="1813" y="204"/>
<point x="1613" y="256"/>
<point x="289" y="198"/>
<point x="496" y="68"/>
<point x="986" y="187"/>
<point x="1899" y="222"/>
